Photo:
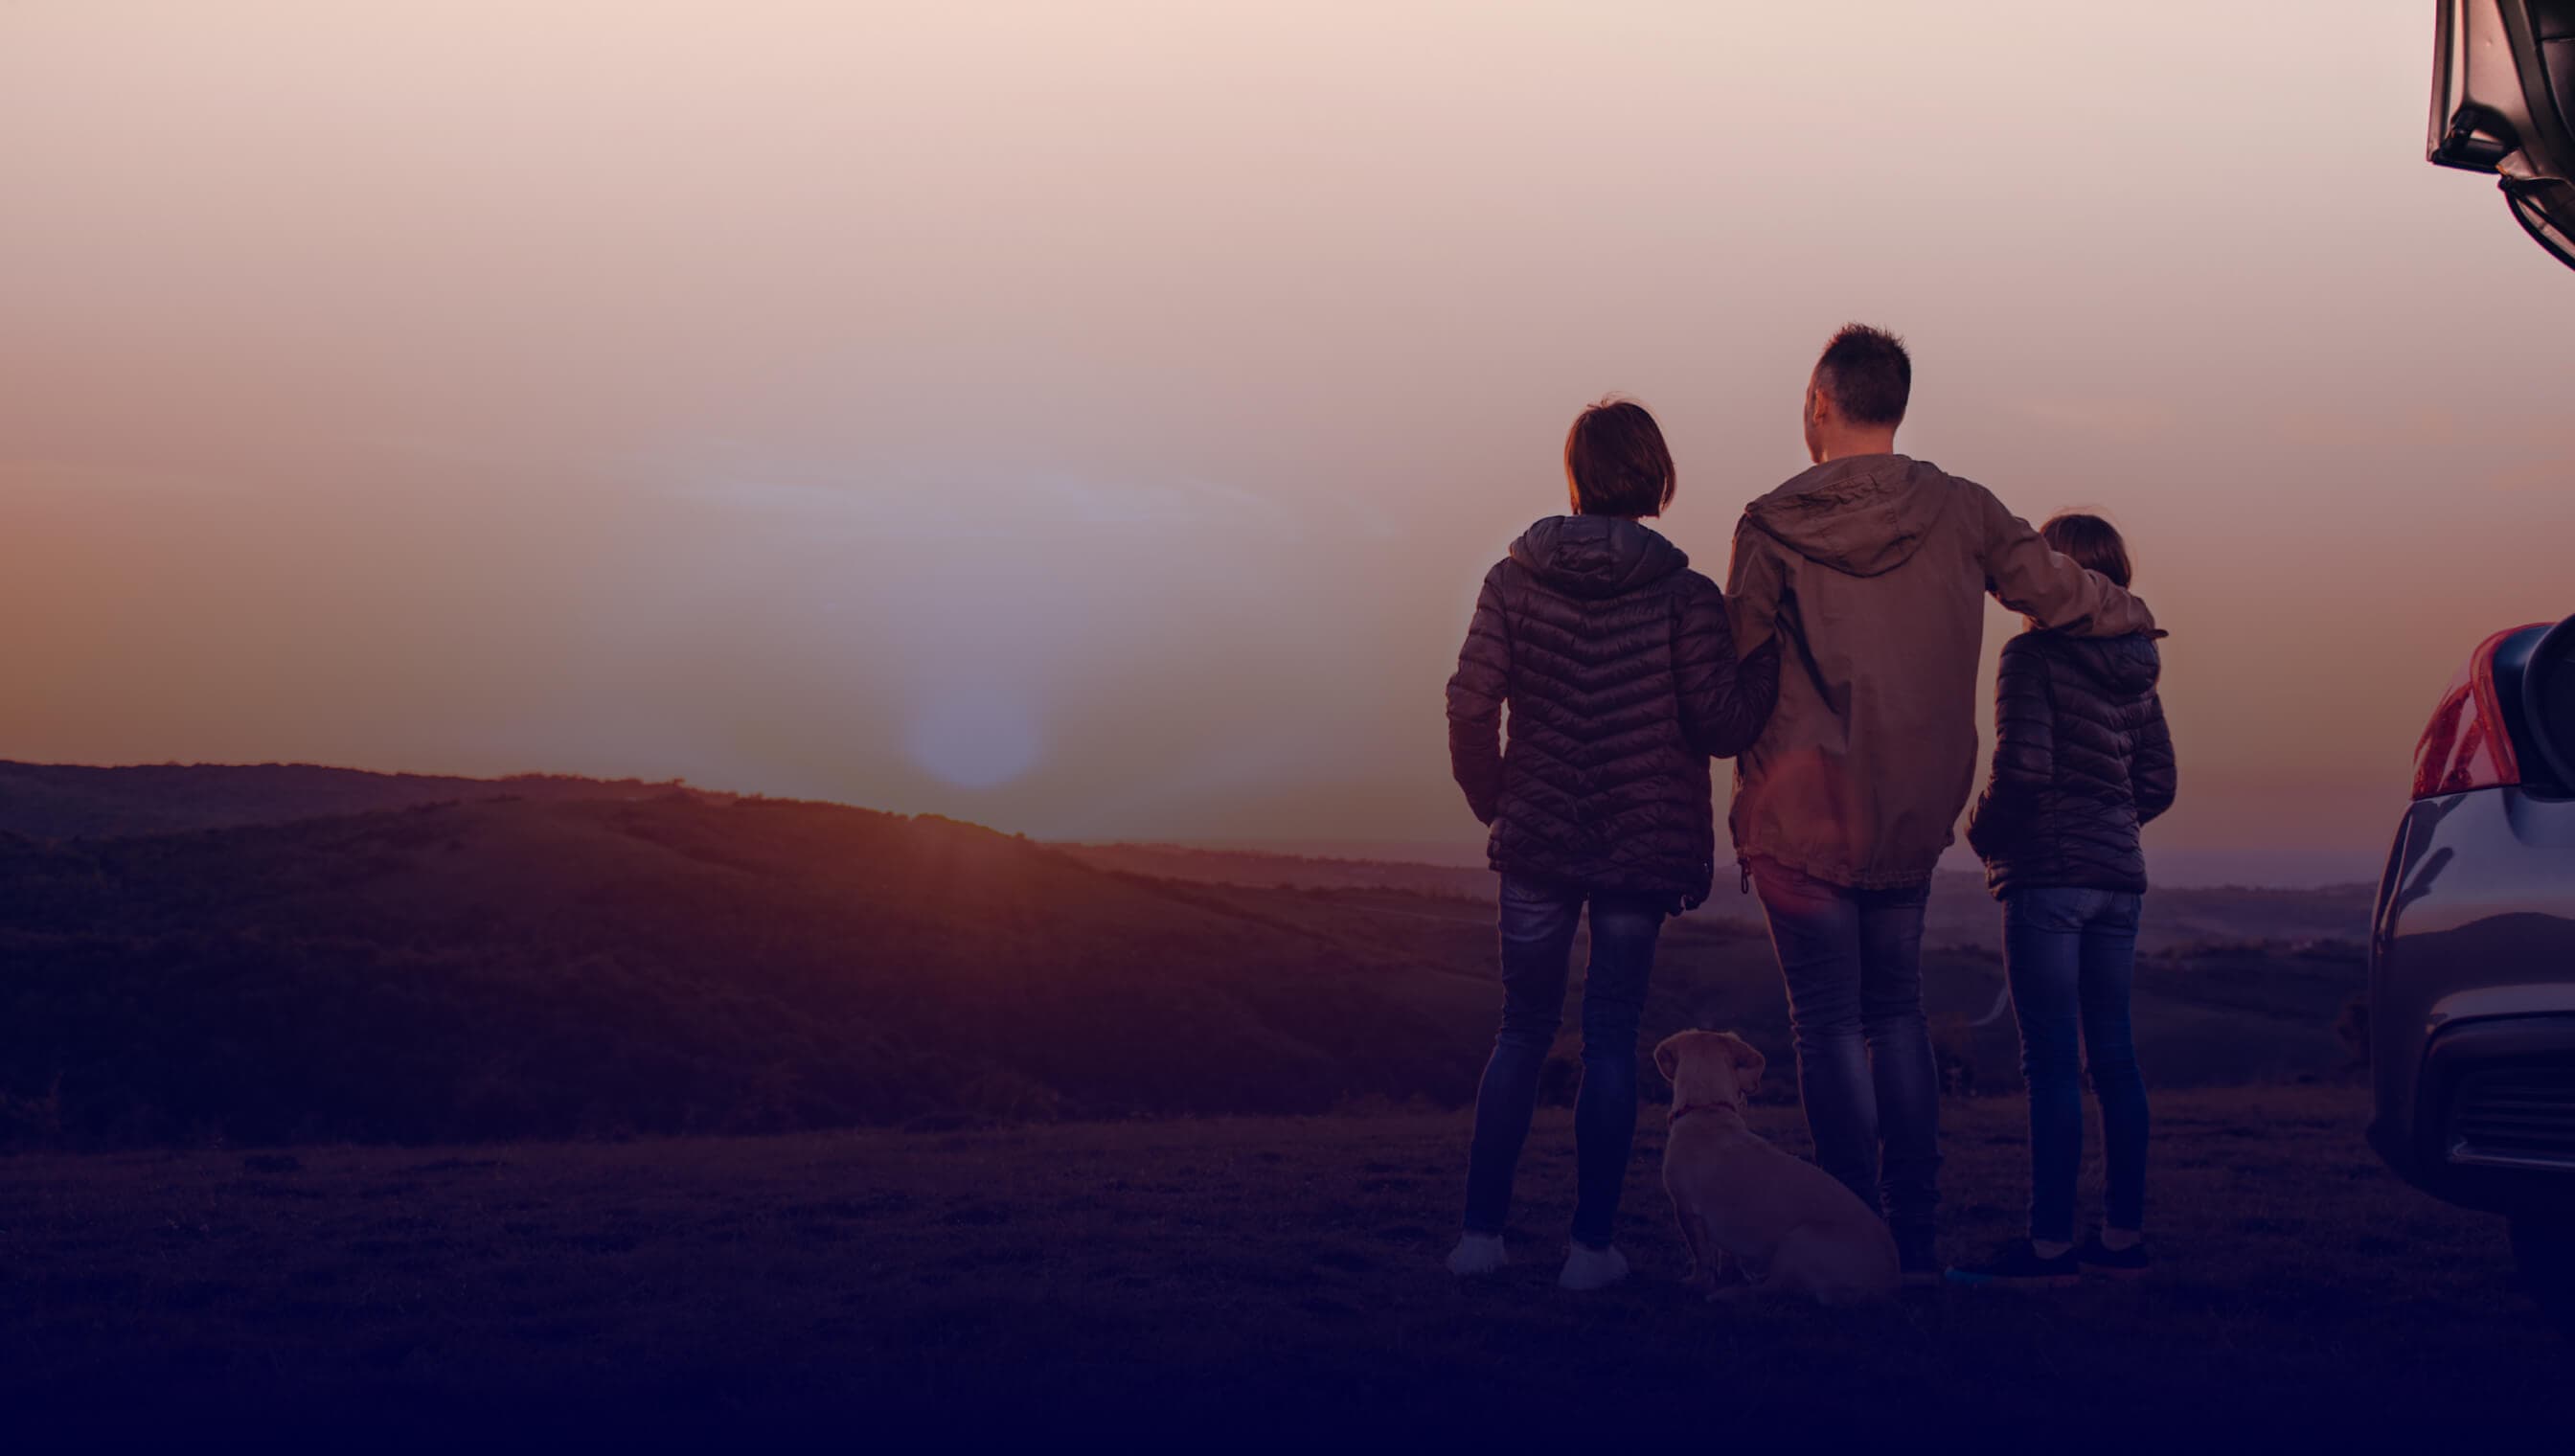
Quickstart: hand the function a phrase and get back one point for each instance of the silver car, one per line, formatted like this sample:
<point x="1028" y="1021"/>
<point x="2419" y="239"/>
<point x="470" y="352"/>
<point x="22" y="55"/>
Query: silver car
<point x="2472" y="956"/>
<point x="2472" y="953"/>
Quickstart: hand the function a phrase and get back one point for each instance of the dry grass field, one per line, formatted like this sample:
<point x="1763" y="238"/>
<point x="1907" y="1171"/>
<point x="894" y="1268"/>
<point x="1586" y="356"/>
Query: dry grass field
<point x="946" y="1134"/>
<point x="1233" y="1281"/>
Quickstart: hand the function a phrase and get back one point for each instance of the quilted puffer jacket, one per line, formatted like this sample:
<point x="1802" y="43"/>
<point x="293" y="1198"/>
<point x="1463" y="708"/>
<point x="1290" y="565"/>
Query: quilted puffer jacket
<point x="2081" y="760"/>
<point x="1617" y="662"/>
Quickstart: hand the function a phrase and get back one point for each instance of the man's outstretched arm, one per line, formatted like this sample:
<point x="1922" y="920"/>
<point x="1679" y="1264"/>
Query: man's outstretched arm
<point x="2030" y="577"/>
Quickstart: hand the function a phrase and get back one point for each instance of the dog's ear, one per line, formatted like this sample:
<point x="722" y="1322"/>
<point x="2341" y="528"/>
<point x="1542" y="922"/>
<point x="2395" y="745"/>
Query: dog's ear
<point x="1667" y="1056"/>
<point x="1748" y="1062"/>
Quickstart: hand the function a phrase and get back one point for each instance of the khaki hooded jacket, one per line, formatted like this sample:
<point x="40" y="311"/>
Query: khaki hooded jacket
<point x="1873" y="570"/>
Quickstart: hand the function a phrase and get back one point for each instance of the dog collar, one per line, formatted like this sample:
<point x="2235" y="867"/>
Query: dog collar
<point x="1681" y="1113"/>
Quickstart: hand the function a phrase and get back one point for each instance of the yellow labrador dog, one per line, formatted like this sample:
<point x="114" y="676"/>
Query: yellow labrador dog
<point x="1788" y="1226"/>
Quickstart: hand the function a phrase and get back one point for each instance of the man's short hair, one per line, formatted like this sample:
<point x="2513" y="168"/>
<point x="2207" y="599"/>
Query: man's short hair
<point x="1617" y="460"/>
<point x="1869" y="375"/>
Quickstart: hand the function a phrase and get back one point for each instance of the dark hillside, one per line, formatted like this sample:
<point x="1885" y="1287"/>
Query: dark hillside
<point x="604" y="963"/>
<point x="69" y="800"/>
<point x="513" y="968"/>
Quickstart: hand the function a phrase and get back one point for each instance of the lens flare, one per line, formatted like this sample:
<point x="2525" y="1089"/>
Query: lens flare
<point x="975" y="738"/>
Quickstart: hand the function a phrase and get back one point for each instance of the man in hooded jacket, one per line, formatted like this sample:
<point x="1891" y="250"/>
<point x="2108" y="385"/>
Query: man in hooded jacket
<point x="1871" y="569"/>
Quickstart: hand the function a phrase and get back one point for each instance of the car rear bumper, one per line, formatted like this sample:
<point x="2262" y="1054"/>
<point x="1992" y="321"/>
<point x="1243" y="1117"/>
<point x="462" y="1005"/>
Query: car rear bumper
<point x="2471" y="1022"/>
<point x="2492" y="1125"/>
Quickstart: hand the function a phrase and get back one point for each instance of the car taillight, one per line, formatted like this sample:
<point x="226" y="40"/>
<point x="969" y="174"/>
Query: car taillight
<point x="2467" y="745"/>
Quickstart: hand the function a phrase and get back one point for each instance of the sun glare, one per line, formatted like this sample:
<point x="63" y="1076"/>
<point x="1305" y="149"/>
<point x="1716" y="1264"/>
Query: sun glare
<point x="977" y="738"/>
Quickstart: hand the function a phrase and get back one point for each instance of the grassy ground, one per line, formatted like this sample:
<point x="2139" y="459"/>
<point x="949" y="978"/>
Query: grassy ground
<point x="1239" y="1280"/>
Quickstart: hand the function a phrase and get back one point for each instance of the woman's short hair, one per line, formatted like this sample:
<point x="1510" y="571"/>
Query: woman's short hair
<point x="2091" y="541"/>
<point x="1616" y="457"/>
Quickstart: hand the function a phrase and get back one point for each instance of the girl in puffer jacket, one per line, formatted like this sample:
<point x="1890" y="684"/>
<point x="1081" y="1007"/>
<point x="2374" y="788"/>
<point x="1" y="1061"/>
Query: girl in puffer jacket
<point x="2081" y="760"/>
<point x="1618" y="664"/>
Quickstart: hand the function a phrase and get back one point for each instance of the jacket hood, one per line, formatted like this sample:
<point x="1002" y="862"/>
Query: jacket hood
<point x="2126" y="666"/>
<point x="1863" y="517"/>
<point x="1596" y="556"/>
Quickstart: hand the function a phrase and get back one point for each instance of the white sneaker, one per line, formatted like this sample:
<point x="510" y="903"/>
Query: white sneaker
<point x="1587" y="1269"/>
<point x="1477" y="1253"/>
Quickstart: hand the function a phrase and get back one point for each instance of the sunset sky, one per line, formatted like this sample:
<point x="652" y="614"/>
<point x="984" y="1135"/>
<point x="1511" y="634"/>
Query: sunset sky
<point x="1094" y="419"/>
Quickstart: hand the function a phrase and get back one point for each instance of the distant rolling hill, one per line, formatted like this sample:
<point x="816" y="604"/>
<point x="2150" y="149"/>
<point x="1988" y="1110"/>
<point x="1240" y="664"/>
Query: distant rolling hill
<point x="472" y="959"/>
<point x="505" y="968"/>
<point x="1963" y="913"/>
<point x="71" y="800"/>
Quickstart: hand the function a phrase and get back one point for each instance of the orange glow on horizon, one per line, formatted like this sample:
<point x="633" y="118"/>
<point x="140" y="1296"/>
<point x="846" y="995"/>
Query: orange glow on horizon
<point x="1093" y="421"/>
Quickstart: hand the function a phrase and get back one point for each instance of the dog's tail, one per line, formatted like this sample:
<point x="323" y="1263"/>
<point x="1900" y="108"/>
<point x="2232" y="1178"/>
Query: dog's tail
<point x="2002" y="1004"/>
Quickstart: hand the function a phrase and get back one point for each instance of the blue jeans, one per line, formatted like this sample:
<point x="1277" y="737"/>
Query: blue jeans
<point x="1537" y="922"/>
<point x="2071" y="956"/>
<point x="1852" y="959"/>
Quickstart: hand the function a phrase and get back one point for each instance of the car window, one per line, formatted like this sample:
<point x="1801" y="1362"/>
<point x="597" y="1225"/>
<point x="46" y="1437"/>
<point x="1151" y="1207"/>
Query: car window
<point x="2553" y="21"/>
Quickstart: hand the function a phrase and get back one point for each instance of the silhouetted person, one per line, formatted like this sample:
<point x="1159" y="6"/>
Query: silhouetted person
<point x="1871" y="570"/>
<point x="2083" y="761"/>
<point x="1617" y="662"/>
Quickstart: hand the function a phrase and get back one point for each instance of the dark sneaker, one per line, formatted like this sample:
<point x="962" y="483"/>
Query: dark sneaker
<point x="2017" y="1263"/>
<point x="1917" y="1255"/>
<point x="2127" y="1263"/>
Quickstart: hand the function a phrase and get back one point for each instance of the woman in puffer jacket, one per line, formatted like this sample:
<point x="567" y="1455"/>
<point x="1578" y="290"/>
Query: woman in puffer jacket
<point x="2081" y="760"/>
<point x="1617" y="665"/>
